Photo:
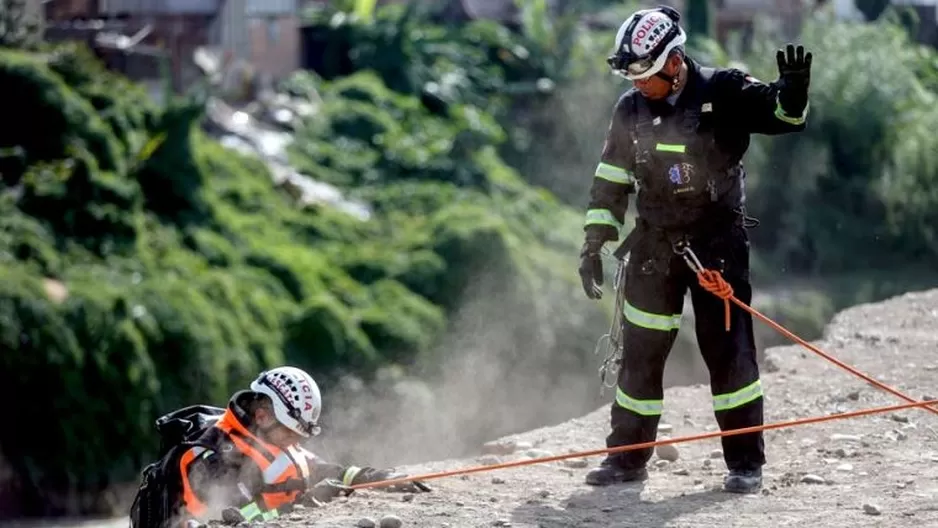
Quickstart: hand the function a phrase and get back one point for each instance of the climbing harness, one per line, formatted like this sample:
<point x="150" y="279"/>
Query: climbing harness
<point x="713" y="282"/>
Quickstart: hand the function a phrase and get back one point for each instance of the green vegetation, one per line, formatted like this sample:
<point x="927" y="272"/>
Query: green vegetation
<point x="188" y="271"/>
<point x="145" y="266"/>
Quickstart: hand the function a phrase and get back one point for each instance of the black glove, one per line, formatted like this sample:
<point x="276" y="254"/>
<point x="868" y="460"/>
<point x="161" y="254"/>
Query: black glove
<point x="414" y="486"/>
<point x="324" y="491"/>
<point x="231" y="516"/>
<point x="591" y="268"/>
<point x="794" y="73"/>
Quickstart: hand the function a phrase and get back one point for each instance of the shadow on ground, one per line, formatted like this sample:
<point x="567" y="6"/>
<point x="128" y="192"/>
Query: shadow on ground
<point x="619" y="506"/>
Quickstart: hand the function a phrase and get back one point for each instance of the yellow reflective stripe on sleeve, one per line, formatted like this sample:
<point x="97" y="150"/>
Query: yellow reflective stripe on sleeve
<point x="666" y="147"/>
<point x="270" y="514"/>
<point x="250" y="512"/>
<point x="349" y="475"/>
<point x="649" y="320"/>
<point x="780" y="114"/>
<point x="612" y="173"/>
<point x="724" y="402"/>
<point x="601" y="217"/>
<point x="642" y="407"/>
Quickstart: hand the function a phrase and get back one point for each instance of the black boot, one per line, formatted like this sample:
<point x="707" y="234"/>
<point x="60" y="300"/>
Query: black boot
<point x="609" y="473"/>
<point x="743" y="481"/>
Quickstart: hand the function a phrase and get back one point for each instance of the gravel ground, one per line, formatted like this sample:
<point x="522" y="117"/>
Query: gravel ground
<point x="879" y="470"/>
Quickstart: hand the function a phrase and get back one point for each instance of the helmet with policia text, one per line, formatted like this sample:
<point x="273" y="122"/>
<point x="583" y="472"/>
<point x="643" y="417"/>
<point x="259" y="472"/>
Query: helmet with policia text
<point x="644" y="42"/>
<point x="295" y="396"/>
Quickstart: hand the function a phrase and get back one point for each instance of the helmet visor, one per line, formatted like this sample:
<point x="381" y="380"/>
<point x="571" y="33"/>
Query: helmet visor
<point x="640" y="66"/>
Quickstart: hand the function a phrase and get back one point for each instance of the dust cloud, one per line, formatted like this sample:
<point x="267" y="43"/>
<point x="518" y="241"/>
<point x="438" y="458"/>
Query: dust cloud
<point x="500" y="372"/>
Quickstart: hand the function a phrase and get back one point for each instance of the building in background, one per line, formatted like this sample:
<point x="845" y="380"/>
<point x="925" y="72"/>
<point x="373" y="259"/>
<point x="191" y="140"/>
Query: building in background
<point x="260" y="33"/>
<point x="273" y="34"/>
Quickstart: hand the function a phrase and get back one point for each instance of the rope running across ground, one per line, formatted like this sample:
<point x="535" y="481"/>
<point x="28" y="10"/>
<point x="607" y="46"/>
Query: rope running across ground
<point x="714" y="283"/>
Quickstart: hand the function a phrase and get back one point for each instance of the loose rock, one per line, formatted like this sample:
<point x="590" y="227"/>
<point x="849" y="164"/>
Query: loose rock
<point x="716" y="453"/>
<point x="871" y="509"/>
<point x="499" y="447"/>
<point x="489" y="460"/>
<point x="837" y="437"/>
<point x="576" y="463"/>
<point x="813" y="479"/>
<point x="366" y="522"/>
<point x="668" y="452"/>
<point x="390" y="521"/>
<point x="498" y="480"/>
<point x="665" y="428"/>
<point x="682" y="472"/>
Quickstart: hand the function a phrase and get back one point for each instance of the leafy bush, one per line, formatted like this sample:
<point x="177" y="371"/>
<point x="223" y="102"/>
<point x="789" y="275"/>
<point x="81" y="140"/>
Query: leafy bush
<point x="864" y="171"/>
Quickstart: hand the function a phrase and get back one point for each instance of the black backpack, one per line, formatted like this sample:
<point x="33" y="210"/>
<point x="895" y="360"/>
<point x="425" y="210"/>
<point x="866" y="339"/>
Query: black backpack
<point x="159" y="497"/>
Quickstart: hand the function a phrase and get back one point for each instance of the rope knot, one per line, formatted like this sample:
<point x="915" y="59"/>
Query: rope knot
<point x="713" y="282"/>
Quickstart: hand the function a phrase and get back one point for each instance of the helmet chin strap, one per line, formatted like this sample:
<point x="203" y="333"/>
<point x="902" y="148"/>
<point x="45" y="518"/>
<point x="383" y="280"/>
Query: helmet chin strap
<point x="673" y="80"/>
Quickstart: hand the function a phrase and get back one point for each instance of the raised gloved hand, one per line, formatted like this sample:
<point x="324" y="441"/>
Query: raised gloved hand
<point x="794" y="73"/>
<point x="591" y="268"/>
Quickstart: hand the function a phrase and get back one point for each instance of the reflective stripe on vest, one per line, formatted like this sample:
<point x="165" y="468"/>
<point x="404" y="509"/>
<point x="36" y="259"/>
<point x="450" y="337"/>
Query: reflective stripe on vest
<point x="276" y="466"/>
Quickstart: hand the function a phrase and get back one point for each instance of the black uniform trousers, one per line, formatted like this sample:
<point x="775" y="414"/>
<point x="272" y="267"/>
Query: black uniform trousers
<point x="656" y="282"/>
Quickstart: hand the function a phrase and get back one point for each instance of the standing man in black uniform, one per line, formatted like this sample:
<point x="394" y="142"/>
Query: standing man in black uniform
<point x="677" y="139"/>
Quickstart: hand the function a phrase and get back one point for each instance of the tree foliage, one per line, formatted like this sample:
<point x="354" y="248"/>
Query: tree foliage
<point x="855" y="191"/>
<point x="186" y="270"/>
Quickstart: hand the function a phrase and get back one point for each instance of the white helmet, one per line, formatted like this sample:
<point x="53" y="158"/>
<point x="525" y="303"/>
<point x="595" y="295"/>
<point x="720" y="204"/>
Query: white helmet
<point x="644" y="41"/>
<point x="295" y="396"/>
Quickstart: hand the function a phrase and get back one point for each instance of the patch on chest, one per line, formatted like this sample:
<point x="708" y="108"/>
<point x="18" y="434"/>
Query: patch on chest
<point x="681" y="175"/>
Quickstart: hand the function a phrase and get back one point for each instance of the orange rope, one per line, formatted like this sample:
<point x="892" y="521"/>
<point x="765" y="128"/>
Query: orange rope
<point x="713" y="282"/>
<point x="644" y="445"/>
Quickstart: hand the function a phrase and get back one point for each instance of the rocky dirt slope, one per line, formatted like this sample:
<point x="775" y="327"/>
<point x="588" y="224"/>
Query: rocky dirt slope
<point x="879" y="470"/>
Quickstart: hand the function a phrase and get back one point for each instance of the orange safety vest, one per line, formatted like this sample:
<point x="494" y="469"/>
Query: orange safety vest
<point x="276" y="465"/>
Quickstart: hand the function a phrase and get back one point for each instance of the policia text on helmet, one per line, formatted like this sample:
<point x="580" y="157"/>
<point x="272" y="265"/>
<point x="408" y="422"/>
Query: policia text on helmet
<point x="644" y="52"/>
<point x="674" y="147"/>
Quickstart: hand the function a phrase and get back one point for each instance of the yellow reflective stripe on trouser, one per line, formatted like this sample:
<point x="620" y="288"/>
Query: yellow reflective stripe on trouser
<point x="349" y="475"/>
<point x="780" y="114"/>
<point x="725" y="402"/>
<point x="251" y="512"/>
<point x="642" y="407"/>
<point x="649" y="320"/>
<point x="601" y="217"/>
<point x="613" y="173"/>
